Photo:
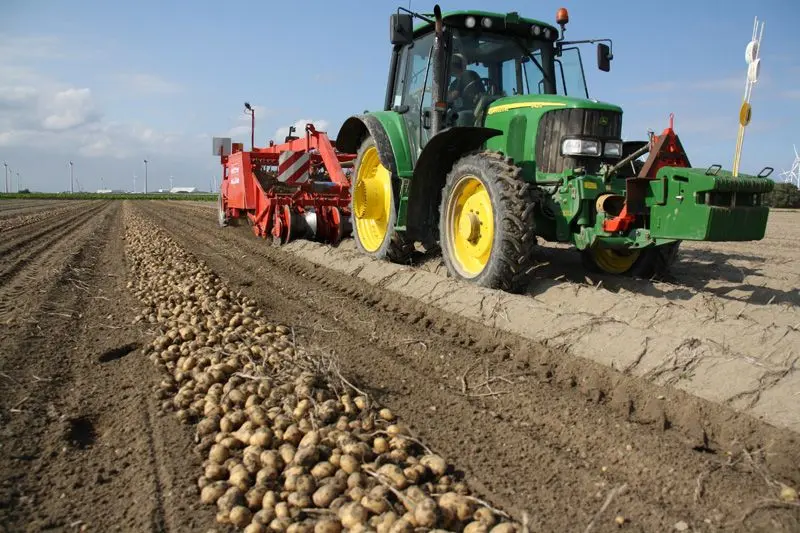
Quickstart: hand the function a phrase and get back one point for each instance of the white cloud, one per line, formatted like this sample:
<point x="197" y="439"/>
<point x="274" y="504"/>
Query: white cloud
<point x="27" y="47"/>
<point x="69" y="109"/>
<point x="300" y="128"/>
<point x="148" y="84"/>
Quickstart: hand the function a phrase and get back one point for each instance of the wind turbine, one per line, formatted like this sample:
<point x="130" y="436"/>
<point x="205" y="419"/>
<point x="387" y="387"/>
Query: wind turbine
<point x="793" y="175"/>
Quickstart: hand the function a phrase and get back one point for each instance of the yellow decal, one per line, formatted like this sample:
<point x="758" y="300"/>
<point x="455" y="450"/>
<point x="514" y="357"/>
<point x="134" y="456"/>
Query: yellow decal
<point x="589" y="185"/>
<point x="535" y="105"/>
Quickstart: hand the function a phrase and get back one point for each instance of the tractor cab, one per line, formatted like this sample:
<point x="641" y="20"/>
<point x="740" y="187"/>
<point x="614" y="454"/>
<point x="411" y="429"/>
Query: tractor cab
<point x="486" y="57"/>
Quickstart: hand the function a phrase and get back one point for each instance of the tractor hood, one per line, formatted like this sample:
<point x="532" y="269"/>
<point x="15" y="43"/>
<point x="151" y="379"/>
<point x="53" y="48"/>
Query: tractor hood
<point x="547" y="102"/>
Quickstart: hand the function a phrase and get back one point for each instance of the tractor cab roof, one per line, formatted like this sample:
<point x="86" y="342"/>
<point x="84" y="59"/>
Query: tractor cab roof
<point x="499" y="21"/>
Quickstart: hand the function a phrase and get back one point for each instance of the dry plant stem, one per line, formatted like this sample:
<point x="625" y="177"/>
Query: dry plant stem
<point x="613" y="493"/>
<point x="402" y="497"/>
<point x="766" y="504"/>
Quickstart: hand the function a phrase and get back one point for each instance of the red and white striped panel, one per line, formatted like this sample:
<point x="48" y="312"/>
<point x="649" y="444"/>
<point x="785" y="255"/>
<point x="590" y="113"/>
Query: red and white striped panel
<point x="293" y="167"/>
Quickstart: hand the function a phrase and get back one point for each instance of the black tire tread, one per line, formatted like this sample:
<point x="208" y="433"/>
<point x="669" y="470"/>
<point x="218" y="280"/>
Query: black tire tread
<point x="511" y="260"/>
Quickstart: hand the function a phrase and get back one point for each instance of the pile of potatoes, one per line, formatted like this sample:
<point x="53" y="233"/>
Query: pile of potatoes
<point x="287" y="444"/>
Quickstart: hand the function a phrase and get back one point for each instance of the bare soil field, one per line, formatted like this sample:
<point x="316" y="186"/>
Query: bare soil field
<point x="582" y="406"/>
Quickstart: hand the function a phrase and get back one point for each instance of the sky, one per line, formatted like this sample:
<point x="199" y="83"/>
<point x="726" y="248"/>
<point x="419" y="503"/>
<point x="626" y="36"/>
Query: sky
<point x="107" y="84"/>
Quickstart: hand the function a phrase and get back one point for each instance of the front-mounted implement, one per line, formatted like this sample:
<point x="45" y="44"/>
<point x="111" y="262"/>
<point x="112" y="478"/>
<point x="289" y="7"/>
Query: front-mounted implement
<point x="487" y="142"/>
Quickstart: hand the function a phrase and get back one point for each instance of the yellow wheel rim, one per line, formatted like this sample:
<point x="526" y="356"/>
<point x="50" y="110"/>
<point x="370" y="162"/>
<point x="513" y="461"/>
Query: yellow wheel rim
<point x="470" y="226"/>
<point x="372" y="200"/>
<point x="614" y="261"/>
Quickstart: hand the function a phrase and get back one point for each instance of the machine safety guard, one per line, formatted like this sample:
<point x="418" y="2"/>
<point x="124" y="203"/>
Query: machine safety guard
<point x="295" y="190"/>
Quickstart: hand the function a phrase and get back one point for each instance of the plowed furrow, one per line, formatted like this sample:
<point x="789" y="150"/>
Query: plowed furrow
<point x="533" y="428"/>
<point x="34" y="265"/>
<point x="19" y="236"/>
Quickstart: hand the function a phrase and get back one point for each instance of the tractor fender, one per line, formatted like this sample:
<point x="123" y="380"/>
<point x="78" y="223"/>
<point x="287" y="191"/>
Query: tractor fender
<point x="430" y="173"/>
<point x="356" y="128"/>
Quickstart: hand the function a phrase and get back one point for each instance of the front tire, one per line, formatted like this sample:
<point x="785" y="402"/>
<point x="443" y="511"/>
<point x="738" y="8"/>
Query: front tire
<point x="650" y="263"/>
<point x="486" y="222"/>
<point x="374" y="208"/>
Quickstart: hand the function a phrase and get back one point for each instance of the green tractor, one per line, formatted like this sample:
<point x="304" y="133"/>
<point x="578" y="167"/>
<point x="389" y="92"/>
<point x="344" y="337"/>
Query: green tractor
<point x="488" y="140"/>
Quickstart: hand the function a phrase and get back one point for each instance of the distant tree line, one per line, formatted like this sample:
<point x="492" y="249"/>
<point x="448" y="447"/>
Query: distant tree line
<point x="785" y="195"/>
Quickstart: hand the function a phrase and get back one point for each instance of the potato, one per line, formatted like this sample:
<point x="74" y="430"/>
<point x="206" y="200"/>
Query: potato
<point x="476" y="527"/>
<point x="240" y="516"/>
<point x="254" y="497"/>
<point x="380" y="445"/>
<point x="264" y="516"/>
<point x="328" y="525"/>
<point x="300" y="500"/>
<point x="374" y="505"/>
<point x="282" y="511"/>
<point x="293" y="435"/>
<point x="349" y="464"/>
<point x="266" y="475"/>
<point x="312" y="438"/>
<point x="322" y="470"/>
<point x="240" y="478"/>
<point x="425" y="513"/>
<point x="233" y="497"/>
<point x="402" y="525"/>
<point x="219" y="453"/>
<point x="256" y="527"/>
<point x="261" y="437"/>
<point x="485" y="516"/>
<point x="455" y="507"/>
<point x="434" y="463"/>
<point x="213" y="492"/>
<point x="287" y="452"/>
<point x="384" y="522"/>
<point x="216" y="472"/>
<point x="305" y="483"/>
<point x="352" y="514"/>
<point x="272" y="459"/>
<point x="355" y="479"/>
<point x="306" y="456"/>
<point x="325" y="494"/>
<point x="394" y="475"/>
<point x="207" y="426"/>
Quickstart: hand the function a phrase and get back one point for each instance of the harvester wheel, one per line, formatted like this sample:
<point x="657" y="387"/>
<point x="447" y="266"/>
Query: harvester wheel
<point x="486" y="222"/>
<point x="222" y="217"/>
<point x="374" y="208"/>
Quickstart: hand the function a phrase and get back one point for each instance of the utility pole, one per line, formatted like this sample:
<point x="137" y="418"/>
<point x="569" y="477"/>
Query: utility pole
<point x="71" y="186"/>
<point x="145" y="176"/>
<point x="5" y="164"/>
<point x="17" y="180"/>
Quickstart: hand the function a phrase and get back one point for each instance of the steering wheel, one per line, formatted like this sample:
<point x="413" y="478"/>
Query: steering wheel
<point x="487" y="86"/>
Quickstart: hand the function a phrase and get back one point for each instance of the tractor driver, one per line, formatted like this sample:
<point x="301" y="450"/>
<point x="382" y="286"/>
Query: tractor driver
<point x="467" y="85"/>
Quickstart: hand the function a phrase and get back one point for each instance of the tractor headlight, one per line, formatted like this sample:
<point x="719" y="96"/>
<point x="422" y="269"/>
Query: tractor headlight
<point x="536" y="30"/>
<point x="486" y="22"/>
<point x="576" y="147"/>
<point x="470" y="22"/>
<point x="612" y="149"/>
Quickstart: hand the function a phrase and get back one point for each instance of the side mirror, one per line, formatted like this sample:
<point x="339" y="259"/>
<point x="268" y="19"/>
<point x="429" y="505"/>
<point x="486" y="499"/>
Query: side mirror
<point x="401" y="29"/>
<point x="604" y="57"/>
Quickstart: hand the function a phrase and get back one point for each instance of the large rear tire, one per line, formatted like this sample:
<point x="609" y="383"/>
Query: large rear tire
<point x="374" y="208"/>
<point x="486" y="222"/>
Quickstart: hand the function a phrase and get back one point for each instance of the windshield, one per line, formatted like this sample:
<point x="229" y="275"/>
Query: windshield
<point x="511" y="66"/>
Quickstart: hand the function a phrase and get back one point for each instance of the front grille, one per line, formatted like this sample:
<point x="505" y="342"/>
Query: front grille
<point x="557" y="124"/>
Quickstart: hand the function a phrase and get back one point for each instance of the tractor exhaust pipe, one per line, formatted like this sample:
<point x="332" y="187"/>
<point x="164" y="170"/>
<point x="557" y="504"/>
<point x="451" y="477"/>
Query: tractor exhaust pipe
<point x="437" y="85"/>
